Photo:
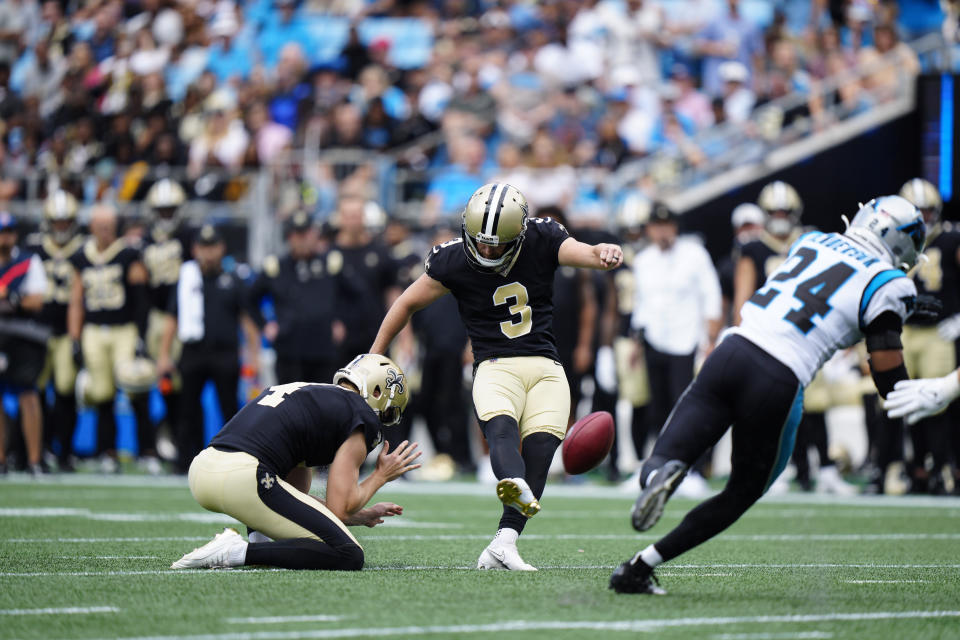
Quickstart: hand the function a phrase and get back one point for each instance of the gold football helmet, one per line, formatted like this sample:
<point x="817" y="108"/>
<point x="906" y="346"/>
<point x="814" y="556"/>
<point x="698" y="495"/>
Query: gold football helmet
<point x="60" y="216"/>
<point x="381" y="384"/>
<point x="496" y="216"/>
<point x="924" y="196"/>
<point x="780" y="197"/>
<point x="165" y="198"/>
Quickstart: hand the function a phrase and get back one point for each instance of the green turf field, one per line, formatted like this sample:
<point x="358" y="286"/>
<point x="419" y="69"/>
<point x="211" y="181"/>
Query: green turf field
<point x="86" y="557"/>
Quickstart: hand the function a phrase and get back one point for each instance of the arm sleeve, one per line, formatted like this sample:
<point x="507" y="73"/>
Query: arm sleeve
<point x="35" y="282"/>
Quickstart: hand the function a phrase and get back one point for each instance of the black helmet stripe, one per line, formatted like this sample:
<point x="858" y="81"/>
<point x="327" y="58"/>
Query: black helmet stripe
<point x="496" y="217"/>
<point x="486" y="211"/>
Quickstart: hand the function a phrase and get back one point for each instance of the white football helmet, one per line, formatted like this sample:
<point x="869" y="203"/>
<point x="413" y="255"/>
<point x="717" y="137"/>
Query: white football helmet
<point x="381" y="384"/>
<point x="893" y="228"/>
<point x="633" y="212"/>
<point x="60" y="206"/>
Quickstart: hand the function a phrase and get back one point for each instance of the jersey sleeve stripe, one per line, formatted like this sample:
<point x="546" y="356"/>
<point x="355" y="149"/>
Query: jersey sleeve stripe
<point x="874" y="285"/>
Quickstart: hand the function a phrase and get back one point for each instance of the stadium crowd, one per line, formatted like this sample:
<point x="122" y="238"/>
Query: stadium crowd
<point x="158" y="103"/>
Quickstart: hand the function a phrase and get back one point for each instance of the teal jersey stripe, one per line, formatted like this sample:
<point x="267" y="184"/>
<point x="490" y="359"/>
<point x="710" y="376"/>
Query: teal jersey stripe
<point x="878" y="281"/>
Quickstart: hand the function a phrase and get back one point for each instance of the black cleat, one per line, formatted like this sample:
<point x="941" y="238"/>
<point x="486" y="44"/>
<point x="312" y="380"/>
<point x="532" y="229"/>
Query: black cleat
<point x="638" y="578"/>
<point x="649" y="505"/>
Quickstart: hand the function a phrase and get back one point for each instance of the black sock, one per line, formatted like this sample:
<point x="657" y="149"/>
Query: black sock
<point x="538" y="450"/>
<point x="503" y="436"/>
<point x="146" y="435"/>
<point x="106" y="428"/>
<point x="305" y="553"/>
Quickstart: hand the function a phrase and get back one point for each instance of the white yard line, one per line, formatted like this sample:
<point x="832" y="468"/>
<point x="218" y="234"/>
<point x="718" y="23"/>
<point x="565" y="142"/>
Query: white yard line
<point x="475" y="489"/>
<point x="109" y="557"/>
<point x="284" y="619"/>
<point x="797" y="635"/>
<point x="468" y="567"/>
<point x="57" y="611"/>
<point x="556" y="625"/>
<point x="883" y="581"/>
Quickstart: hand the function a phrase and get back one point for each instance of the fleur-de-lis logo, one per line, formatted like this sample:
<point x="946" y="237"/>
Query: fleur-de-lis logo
<point x="267" y="481"/>
<point x="394" y="380"/>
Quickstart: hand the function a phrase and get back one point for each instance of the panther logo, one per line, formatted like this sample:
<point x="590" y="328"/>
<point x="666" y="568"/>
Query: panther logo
<point x="394" y="380"/>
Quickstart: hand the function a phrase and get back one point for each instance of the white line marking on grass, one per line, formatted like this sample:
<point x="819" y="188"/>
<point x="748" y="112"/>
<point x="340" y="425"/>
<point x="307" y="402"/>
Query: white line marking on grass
<point x="154" y="572"/>
<point x="798" y="635"/>
<point x="109" y="557"/>
<point x="556" y="625"/>
<point x="883" y="581"/>
<point x="57" y="611"/>
<point x="799" y="537"/>
<point x="284" y="619"/>
<point x="98" y="540"/>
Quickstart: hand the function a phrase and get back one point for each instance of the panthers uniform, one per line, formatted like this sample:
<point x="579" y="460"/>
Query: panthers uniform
<point x="109" y="325"/>
<point x="510" y="323"/>
<point x="829" y="292"/>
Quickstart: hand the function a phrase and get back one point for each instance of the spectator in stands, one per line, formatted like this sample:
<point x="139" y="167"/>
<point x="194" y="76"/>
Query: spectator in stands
<point x="281" y="28"/>
<point x="454" y="185"/>
<point x="553" y="181"/>
<point x="229" y="58"/>
<point x="268" y="139"/>
<point x="894" y="63"/>
<point x="223" y="141"/>
<point x="729" y="37"/>
<point x="738" y="99"/>
<point x="691" y="102"/>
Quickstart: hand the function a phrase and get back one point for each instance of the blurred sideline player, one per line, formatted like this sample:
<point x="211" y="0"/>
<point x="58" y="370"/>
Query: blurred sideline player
<point x="258" y="470"/>
<point x="929" y="344"/>
<point x="758" y="259"/>
<point x="166" y="247"/>
<point x="107" y="321"/>
<point x="23" y="286"/>
<point x="832" y="290"/>
<point x="501" y="273"/>
<point x="60" y="240"/>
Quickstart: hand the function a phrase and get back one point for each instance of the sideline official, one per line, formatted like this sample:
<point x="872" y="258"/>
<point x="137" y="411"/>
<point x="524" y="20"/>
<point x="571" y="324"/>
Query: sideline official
<point x="207" y="310"/>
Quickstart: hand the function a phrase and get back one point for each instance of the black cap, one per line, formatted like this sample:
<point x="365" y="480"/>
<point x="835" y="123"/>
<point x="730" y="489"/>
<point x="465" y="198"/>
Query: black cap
<point x="208" y="235"/>
<point x="662" y="213"/>
<point x="299" y="221"/>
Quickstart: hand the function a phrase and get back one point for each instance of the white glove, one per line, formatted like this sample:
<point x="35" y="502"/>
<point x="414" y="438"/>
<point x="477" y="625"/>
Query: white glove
<point x="949" y="329"/>
<point x="606" y="369"/>
<point x="915" y="400"/>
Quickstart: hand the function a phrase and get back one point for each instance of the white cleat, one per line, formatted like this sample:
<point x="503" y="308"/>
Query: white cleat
<point x="227" y="549"/>
<point x="516" y="493"/>
<point x="503" y="556"/>
<point x="830" y="481"/>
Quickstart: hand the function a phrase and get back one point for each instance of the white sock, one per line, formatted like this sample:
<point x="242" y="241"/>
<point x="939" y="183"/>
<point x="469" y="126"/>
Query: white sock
<point x="507" y="536"/>
<point x="256" y="536"/>
<point x="650" y="556"/>
<point x="237" y="556"/>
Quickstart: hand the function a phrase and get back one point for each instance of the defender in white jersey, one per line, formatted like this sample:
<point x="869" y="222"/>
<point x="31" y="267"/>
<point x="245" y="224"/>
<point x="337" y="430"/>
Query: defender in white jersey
<point x="831" y="291"/>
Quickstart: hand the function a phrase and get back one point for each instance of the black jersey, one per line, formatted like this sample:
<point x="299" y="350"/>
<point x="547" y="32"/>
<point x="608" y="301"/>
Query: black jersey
<point x="939" y="274"/>
<point x="56" y="262"/>
<point x="767" y="254"/>
<point x="106" y="290"/>
<point x="307" y="297"/>
<point x="162" y="257"/>
<point x="299" y="422"/>
<point x="508" y="315"/>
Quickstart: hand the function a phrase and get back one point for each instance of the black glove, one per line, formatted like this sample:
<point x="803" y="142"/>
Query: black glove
<point x="927" y="308"/>
<point x="77" y="353"/>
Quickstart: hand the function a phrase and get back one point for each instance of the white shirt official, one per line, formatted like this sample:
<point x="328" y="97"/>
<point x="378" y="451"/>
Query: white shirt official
<point x="676" y="292"/>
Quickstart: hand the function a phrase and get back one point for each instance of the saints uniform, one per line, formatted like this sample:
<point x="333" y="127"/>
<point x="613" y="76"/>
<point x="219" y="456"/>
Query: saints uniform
<point x="510" y="323"/>
<point x="162" y="256"/>
<point x="768" y="253"/>
<point x="110" y="331"/>
<point x="242" y="471"/>
<point x="60" y="272"/>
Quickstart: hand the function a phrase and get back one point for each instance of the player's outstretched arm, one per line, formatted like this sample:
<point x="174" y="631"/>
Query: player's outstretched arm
<point x="423" y="292"/>
<point x="574" y="253"/>
<point x="914" y="400"/>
